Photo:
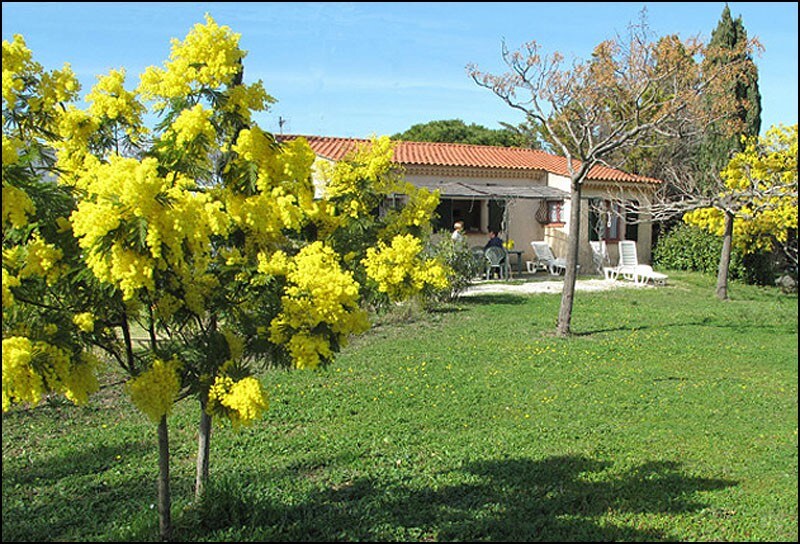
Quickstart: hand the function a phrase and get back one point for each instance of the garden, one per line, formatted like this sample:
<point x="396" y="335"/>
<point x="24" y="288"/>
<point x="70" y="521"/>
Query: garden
<point x="668" y="416"/>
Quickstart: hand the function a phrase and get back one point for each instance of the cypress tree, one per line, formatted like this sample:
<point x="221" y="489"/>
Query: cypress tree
<point x="741" y="95"/>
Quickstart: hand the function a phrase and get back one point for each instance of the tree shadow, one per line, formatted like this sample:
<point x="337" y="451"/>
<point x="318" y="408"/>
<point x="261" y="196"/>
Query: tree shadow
<point x="562" y="498"/>
<point x="705" y="323"/>
<point x="67" y="496"/>
<point x="493" y="298"/>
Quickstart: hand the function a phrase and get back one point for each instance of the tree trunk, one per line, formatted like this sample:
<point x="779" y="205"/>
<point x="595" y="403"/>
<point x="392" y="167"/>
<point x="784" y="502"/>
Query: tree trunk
<point x="203" y="451"/>
<point x="725" y="257"/>
<point x="164" y="501"/>
<point x="571" y="273"/>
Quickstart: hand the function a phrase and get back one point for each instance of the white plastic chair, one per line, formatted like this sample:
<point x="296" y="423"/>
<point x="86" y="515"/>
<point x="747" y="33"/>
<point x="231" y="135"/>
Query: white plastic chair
<point x="496" y="258"/>
<point x="630" y="269"/>
<point x="545" y="259"/>
<point x="599" y="256"/>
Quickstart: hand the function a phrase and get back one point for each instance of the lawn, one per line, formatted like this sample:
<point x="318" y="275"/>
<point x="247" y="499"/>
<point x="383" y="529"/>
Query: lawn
<point x="667" y="416"/>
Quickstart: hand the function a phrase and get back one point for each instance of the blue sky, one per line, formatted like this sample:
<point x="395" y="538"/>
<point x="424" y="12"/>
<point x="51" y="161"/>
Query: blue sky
<point x="357" y="69"/>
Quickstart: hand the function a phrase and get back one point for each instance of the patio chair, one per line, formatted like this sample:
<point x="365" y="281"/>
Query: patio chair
<point x="545" y="260"/>
<point x="630" y="269"/>
<point x="599" y="256"/>
<point x="496" y="258"/>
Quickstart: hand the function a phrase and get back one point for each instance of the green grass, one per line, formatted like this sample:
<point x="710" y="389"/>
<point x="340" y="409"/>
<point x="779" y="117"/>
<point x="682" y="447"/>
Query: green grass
<point x="668" y="416"/>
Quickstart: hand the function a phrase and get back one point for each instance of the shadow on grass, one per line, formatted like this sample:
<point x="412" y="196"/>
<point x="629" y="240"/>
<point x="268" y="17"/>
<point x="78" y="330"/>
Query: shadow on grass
<point x="75" y="495"/>
<point x="555" y="499"/>
<point x="493" y="298"/>
<point x="701" y="323"/>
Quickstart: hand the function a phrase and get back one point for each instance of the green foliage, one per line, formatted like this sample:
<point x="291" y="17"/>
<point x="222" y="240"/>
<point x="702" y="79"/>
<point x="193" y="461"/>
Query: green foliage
<point x="459" y="259"/>
<point x="687" y="247"/>
<point x="669" y="417"/>
<point x="741" y="97"/>
<point x="456" y="131"/>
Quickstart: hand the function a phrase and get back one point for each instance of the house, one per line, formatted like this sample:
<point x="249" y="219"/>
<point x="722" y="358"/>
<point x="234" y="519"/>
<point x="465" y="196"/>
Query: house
<point x="521" y="193"/>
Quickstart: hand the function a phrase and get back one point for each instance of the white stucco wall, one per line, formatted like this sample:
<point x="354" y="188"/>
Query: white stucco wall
<point x="523" y="227"/>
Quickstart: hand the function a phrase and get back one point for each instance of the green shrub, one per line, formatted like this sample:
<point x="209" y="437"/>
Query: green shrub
<point x="459" y="258"/>
<point x="686" y="247"/>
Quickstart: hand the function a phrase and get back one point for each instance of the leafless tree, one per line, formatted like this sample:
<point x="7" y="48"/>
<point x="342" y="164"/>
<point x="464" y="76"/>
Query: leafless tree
<point x="633" y="90"/>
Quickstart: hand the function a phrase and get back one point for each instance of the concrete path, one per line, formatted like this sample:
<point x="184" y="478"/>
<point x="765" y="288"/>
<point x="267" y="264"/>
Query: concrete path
<point x="542" y="286"/>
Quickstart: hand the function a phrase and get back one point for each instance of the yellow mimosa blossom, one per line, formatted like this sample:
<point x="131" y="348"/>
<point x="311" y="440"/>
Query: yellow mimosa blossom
<point x="241" y="401"/>
<point x="32" y="369"/>
<point x="84" y="321"/>
<point x="9" y="281"/>
<point x="208" y="57"/>
<point x="759" y="181"/>
<point x="17" y="206"/>
<point x="192" y="124"/>
<point x="109" y="99"/>
<point x="154" y="391"/>
<point x="320" y="305"/>
<point x="17" y="63"/>
<point x="401" y="271"/>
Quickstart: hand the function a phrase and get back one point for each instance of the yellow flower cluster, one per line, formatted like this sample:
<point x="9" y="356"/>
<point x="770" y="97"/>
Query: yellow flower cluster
<point x="42" y="260"/>
<point x="763" y="178"/>
<point x="179" y="223"/>
<point x="192" y="124"/>
<point x="17" y="206"/>
<point x="31" y="369"/>
<point x="416" y="212"/>
<point x="320" y="305"/>
<point x="25" y="79"/>
<point x="401" y="271"/>
<point x="208" y="57"/>
<point x="84" y="321"/>
<point x="241" y="401"/>
<point x="154" y="391"/>
<point x="11" y="147"/>
<point x="75" y="128"/>
<point x="17" y="60"/>
<point x="243" y="100"/>
<point x="55" y="87"/>
<point x="9" y="281"/>
<point x="110" y="100"/>
<point x="368" y="169"/>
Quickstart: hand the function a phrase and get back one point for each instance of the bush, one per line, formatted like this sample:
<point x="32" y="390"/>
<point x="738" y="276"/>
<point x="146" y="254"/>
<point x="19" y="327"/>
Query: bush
<point x="686" y="247"/>
<point x="460" y="260"/>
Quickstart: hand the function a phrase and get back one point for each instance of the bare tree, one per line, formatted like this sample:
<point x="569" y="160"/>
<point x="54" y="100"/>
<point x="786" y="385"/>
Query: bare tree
<point x="632" y="90"/>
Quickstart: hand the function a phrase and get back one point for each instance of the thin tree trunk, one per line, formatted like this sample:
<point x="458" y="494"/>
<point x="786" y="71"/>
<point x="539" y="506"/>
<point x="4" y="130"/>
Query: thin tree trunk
<point x="571" y="273"/>
<point x="725" y="257"/>
<point x="203" y="451"/>
<point x="164" y="500"/>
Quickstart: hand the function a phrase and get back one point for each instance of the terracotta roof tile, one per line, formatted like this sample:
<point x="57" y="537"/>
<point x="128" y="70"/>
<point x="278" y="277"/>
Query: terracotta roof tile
<point x="478" y="156"/>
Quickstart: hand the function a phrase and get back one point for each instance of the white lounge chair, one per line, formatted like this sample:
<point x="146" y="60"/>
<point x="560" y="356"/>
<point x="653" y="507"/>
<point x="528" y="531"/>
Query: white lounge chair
<point x="630" y="269"/>
<point x="545" y="260"/>
<point x="599" y="256"/>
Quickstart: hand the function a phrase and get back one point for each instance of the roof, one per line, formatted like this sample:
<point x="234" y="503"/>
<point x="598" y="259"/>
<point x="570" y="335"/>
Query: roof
<point x="486" y="190"/>
<point x="467" y="155"/>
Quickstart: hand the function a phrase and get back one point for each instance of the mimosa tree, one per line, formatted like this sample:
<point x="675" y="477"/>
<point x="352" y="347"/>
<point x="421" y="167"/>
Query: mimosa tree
<point x="204" y="232"/>
<point x="756" y="208"/>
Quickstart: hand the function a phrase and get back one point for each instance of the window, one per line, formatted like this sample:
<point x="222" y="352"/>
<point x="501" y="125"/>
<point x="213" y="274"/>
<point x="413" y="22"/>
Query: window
<point x="497" y="210"/>
<point x="451" y="210"/>
<point x="555" y="211"/>
<point x="632" y="222"/>
<point x="604" y="220"/>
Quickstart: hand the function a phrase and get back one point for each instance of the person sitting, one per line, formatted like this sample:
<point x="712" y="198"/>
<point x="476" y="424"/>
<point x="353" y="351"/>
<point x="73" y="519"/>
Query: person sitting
<point x="494" y="240"/>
